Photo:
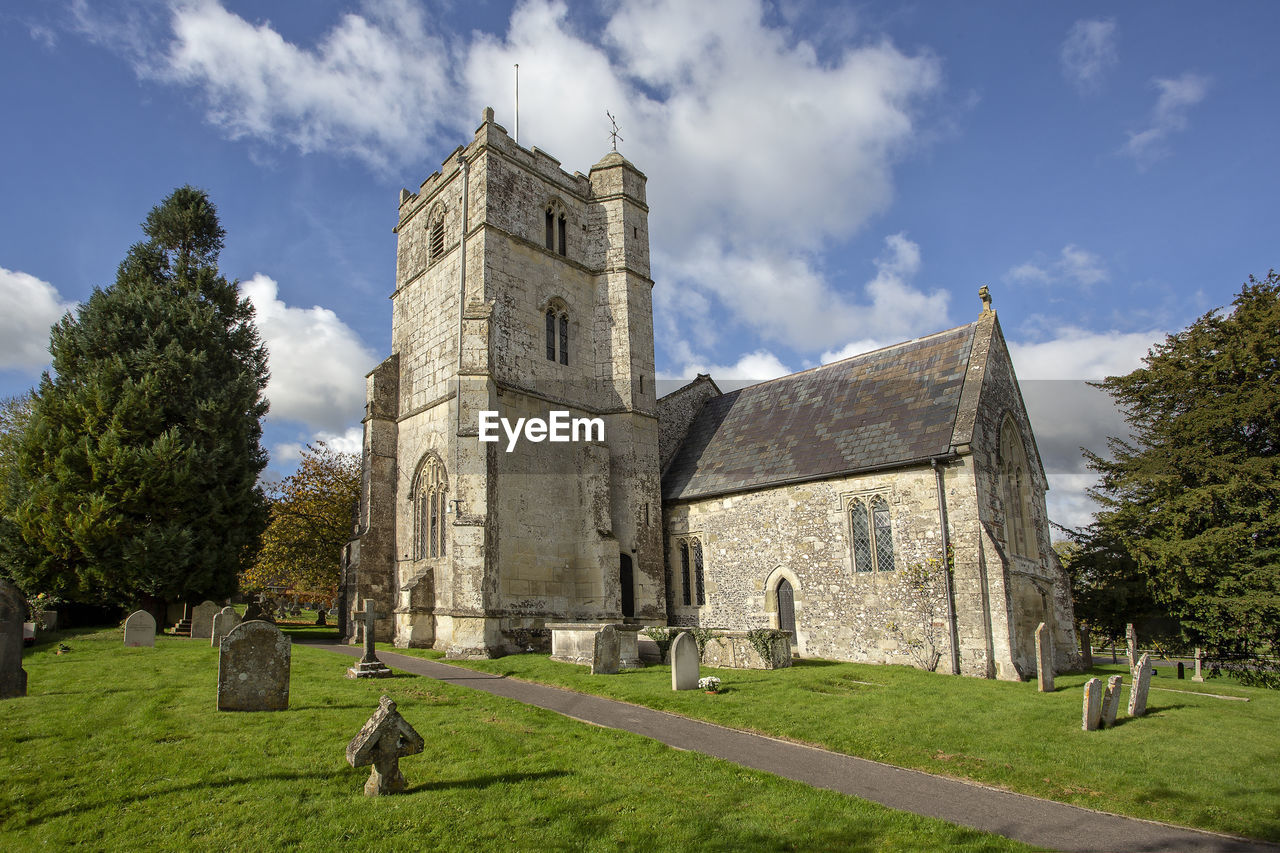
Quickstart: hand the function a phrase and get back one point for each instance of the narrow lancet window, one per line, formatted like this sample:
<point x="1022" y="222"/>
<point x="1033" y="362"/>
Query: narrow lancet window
<point x="562" y="234"/>
<point x="551" y="335"/>
<point x="564" y="338"/>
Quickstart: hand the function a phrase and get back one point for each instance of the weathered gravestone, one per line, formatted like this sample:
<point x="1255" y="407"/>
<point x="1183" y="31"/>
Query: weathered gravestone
<point x="369" y="665"/>
<point x="606" y="658"/>
<point x="13" y="612"/>
<point x="382" y="742"/>
<point x="1133" y="645"/>
<point x="1086" y="646"/>
<point x="1091" y="713"/>
<point x="1141" y="684"/>
<point x="140" y="629"/>
<point x="253" y="668"/>
<point x="1044" y="659"/>
<point x="1182" y="671"/>
<point x="202" y="620"/>
<point x="1111" y="701"/>
<point x="257" y="609"/>
<point x="1199" y="658"/>
<point x="223" y="621"/>
<point x="684" y="662"/>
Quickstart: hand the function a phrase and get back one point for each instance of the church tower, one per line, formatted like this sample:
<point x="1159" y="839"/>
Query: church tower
<point x="522" y="292"/>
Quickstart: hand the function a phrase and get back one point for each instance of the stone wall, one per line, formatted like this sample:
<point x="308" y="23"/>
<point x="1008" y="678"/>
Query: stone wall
<point x="676" y="412"/>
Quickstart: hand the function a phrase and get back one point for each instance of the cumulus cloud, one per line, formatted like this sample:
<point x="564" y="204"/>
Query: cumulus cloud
<point x="28" y="307"/>
<point x="1073" y="265"/>
<point x="1088" y="52"/>
<point x="752" y="367"/>
<point x="1081" y="354"/>
<point x="318" y="363"/>
<point x="1169" y="115"/>
<point x="350" y="440"/>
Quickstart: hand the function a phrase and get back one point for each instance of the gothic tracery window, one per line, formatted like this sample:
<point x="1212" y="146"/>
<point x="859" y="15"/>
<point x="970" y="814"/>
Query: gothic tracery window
<point x="871" y="533"/>
<point x="693" y="585"/>
<point x="557" y="334"/>
<point x="430" y="499"/>
<point x="1015" y="493"/>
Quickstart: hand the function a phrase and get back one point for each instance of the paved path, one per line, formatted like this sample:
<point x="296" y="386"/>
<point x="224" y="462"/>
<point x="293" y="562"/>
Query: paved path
<point x="1028" y="819"/>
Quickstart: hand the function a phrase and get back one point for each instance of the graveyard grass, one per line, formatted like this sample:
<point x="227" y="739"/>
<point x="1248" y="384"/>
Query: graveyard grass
<point x="1191" y="760"/>
<point x="121" y="748"/>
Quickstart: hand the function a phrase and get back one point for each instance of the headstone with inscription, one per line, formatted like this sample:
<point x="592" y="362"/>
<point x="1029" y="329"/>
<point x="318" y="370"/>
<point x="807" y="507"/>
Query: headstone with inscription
<point x="1111" y="701"/>
<point x="684" y="662"/>
<point x="369" y="666"/>
<point x="1044" y="659"/>
<point x="606" y="658"/>
<point x="202" y="620"/>
<point x="13" y="612"/>
<point x="1141" y="684"/>
<point x="253" y="668"/>
<point x="223" y="621"/>
<point x="140" y="629"/>
<point x="1091" y="713"/>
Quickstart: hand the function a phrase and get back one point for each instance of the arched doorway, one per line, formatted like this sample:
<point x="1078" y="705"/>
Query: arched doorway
<point x="627" y="581"/>
<point x="787" y="608"/>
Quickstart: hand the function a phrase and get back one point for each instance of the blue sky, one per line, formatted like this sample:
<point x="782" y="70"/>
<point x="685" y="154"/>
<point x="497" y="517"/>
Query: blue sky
<point x="824" y="178"/>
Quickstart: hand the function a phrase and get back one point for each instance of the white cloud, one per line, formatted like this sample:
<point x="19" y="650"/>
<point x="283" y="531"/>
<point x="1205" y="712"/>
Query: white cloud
<point x="350" y="440"/>
<point x="753" y="367"/>
<point x="1088" y="52"/>
<point x="851" y="349"/>
<point x="1068" y="502"/>
<point x="1081" y="354"/>
<point x="1169" y="115"/>
<point x="28" y="308"/>
<point x="318" y="363"/>
<point x="1074" y="264"/>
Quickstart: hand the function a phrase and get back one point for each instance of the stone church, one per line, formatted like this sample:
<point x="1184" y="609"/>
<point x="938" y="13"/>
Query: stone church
<point x="823" y="503"/>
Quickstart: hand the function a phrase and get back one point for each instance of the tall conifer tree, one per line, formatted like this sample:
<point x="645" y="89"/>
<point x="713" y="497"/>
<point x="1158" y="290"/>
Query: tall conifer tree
<point x="1194" y="499"/>
<point x="138" y="467"/>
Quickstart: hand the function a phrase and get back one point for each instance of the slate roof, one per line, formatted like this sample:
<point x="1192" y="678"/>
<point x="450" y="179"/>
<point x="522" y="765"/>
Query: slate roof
<point x="894" y="405"/>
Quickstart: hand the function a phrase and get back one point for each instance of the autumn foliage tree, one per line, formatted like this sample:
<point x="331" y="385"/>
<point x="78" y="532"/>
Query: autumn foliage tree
<point x="311" y="513"/>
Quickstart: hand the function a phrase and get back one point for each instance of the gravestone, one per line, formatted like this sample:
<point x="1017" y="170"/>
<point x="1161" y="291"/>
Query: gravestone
<point x="202" y="620"/>
<point x="1086" y="647"/>
<point x="684" y="662"/>
<point x="369" y="665"/>
<point x="1044" y="659"/>
<point x="256" y="609"/>
<point x="140" y="629"/>
<point x="1141" y="684"/>
<point x="13" y="612"/>
<point x="1111" y="701"/>
<point x="1198" y="678"/>
<point x="253" y="668"/>
<point x="1133" y="645"/>
<point x="1182" y="671"/>
<point x="223" y="621"/>
<point x="1091" y="713"/>
<point x="382" y="742"/>
<point x="606" y="659"/>
<point x="183" y="627"/>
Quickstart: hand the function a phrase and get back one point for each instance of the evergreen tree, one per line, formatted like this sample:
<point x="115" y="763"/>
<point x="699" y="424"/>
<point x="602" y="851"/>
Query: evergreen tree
<point x="138" y="466"/>
<point x="1194" y="498"/>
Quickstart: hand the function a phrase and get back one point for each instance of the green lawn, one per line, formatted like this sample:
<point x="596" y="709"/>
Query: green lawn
<point x="119" y="748"/>
<point x="1192" y="760"/>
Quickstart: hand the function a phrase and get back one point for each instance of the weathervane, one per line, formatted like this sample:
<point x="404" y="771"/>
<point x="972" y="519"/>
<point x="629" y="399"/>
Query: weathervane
<point x="614" y="133"/>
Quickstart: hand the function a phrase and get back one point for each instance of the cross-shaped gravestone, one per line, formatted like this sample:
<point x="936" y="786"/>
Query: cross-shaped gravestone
<point x="369" y="665"/>
<point x="1198" y="677"/>
<point x="383" y="741"/>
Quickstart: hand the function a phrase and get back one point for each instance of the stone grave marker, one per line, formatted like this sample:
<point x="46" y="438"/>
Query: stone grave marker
<point x="223" y="621"/>
<point x="140" y="629"/>
<point x="13" y="612"/>
<point x="1182" y="671"/>
<point x="369" y="665"/>
<point x="1198" y="678"/>
<point x="253" y="668"/>
<point x="606" y="659"/>
<point x="684" y="662"/>
<point x="1133" y="645"/>
<point x="202" y="620"/>
<point x="1091" y="713"/>
<point x="183" y="626"/>
<point x="1111" y="701"/>
<point x="1141" y="684"/>
<point x="1044" y="658"/>
<point x="383" y="741"/>
<point x="1086" y="646"/>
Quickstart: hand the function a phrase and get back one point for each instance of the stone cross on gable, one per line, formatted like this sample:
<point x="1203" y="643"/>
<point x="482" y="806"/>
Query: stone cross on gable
<point x="382" y="742"/>
<point x="369" y="665"/>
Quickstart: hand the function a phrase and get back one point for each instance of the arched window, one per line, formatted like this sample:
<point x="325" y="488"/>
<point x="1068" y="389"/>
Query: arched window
<point x="787" y="608"/>
<point x="435" y="234"/>
<point x="551" y="228"/>
<point x="561" y="223"/>
<point x="430" y="500"/>
<point x="693" y="585"/>
<point x="1015" y="493"/>
<point x="557" y="334"/>
<point x="871" y="532"/>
